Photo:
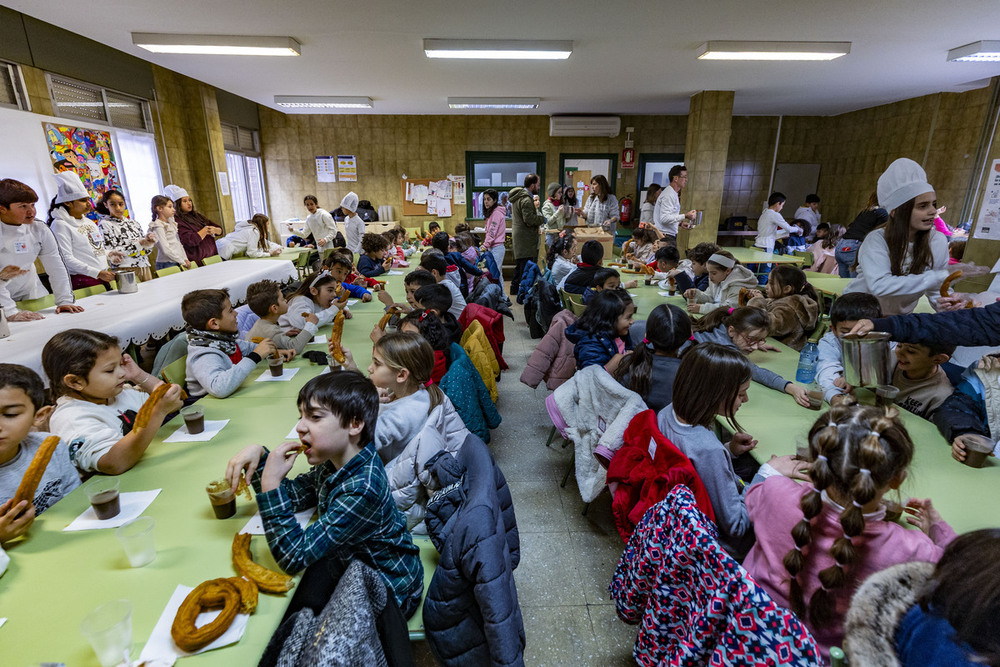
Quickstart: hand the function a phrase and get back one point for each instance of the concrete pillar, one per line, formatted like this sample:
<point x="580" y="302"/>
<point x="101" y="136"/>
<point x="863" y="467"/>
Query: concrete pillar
<point x="708" y="128"/>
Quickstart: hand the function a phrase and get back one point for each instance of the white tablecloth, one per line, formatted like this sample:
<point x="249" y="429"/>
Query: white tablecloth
<point x="152" y="311"/>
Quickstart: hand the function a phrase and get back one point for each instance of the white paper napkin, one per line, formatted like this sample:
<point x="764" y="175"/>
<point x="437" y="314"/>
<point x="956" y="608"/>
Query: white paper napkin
<point x="255" y="526"/>
<point x="284" y="377"/>
<point x="133" y="504"/>
<point x="318" y="340"/>
<point x="161" y="647"/>
<point x="351" y="302"/>
<point x="394" y="273"/>
<point x="667" y="294"/>
<point x="211" y="428"/>
<point x="2" y="621"/>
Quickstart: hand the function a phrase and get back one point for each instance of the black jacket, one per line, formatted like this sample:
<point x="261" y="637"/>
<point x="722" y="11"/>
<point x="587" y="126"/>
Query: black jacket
<point x="970" y="327"/>
<point x="578" y="281"/>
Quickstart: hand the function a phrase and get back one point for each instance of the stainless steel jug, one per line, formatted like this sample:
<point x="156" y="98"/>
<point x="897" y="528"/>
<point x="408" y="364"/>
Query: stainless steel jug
<point x="867" y="362"/>
<point x="128" y="281"/>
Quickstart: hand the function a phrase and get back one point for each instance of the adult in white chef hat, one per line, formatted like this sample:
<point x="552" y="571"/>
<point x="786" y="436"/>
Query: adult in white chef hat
<point x="907" y="257"/>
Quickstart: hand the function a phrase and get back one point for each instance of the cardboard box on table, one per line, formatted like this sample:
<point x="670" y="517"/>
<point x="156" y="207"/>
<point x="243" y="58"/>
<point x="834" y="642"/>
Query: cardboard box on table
<point x="584" y="234"/>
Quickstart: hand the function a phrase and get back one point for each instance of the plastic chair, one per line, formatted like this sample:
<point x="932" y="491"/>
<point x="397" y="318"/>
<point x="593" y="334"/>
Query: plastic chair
<point x="429" y="558"/>
<point x="168" y="271"/>
<point x="575" y="307"/>
<point x="302" y="264"/>
<point x="175" y="372"/>
<point x="89" y="291"/>
<point x="214" y="259"/>
<point x="807" y="257"/>
<point x="40" y="303"/>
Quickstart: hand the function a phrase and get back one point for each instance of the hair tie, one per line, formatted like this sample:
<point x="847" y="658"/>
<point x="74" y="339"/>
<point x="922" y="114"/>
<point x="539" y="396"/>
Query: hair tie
<point x="875" y="433"/>
<point x="730" y="311"/>
<point x="562" y="234"/>
<point x="832" y="425"/>
<point x="423" y="315"/>
<point x="865" y="471"/>
<point x="859" y="506"/>
<point x="645" y="341"/>
<point x="429" y="383"/>
<point x="821" y="457"/>
<point x="692" y="337"/>
<point x="797" y="548"/>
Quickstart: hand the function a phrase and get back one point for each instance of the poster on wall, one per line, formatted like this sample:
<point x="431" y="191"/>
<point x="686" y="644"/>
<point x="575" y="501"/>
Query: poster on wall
<point x="326" y="169"/>
<point x="347" y="167"/>
<point x="988" y="224"/>
<point x="458" y="187"/>
<point x="89" y="153"/>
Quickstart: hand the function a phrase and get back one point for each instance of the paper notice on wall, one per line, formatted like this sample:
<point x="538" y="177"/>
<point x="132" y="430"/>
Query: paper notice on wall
<point x="444" y="189"/>
<point x="443" y="208"/>
<point x="419" y="193"/>
<point x="458" y="189"/>
<point x="432" y="205"/>
<point x="224" y="183"/>
<point x="409" y="192"/>
<point x="347" y="167"/>
<point x="326" y="169"/>
<point x="988" y="224"/>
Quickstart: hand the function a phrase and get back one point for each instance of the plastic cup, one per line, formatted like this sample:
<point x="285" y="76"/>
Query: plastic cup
<point x="276" y="365"/>
<point x="223" y="500"/>
<point x="102" y="492"/>
<point x="815" y="399"/>
<point x="885" y="395"/>
<point x="136" y="538"/>
<point x="109" y="631"/>
<point x="977" y="448"/>
<point x="692" y="302"/>
<point x="194" y="419"/>
<point x="333" y="364"/>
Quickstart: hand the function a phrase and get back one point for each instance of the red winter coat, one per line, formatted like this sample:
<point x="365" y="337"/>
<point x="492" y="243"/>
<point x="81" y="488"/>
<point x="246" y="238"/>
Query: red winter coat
<point x="638" y="481"/>
<point x="492" y="322"/>
<point x="552" y="360"/>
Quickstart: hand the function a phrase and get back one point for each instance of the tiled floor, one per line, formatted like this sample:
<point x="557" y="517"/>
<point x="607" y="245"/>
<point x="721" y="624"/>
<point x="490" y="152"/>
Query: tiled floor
<point x="567" y="559"/>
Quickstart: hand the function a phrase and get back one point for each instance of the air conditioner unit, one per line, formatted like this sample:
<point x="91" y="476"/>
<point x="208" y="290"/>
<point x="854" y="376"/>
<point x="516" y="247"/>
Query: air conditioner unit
<point x="584" y="126"/>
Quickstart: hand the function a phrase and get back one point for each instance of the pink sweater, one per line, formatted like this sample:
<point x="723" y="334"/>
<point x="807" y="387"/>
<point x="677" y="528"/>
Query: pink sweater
<point x="496" y="228"/>
<point x="774" y="508"/>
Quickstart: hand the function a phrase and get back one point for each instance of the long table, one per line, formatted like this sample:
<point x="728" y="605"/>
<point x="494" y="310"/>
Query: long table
<point x="154" y="310"/>
<point x="56" y="578"/>
<point x="754" y="256"/>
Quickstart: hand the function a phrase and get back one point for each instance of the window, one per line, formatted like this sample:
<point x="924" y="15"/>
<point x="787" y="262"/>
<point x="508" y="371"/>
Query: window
<point x="12" y="92"/>
<point x="246" y="176"/>
<point x="577" y="168"/>
<point x="654" y="168"/>
<point x="75" y="99"/>
<point x="500" y="171"/>
<point x="138" y="149"/>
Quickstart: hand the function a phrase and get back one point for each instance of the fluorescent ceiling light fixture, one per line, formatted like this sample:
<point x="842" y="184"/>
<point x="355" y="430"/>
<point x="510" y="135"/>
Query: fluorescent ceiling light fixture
<point x="498" y="49"/>
<point x="773" y="50"/>
<point x="217" y="45"/>
<point x="987" y="51"/>
<point x="493" y="102"/>
<point x="322" y="102"/>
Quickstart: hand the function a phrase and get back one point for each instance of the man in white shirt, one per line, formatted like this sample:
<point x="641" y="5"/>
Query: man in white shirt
<point x="809" y="212"/>
<point x="23" y="240"/>
<point x="667" y="216"/>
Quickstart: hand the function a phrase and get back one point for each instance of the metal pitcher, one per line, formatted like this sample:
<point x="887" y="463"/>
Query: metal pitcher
<point x="867" y="362"/>
<point x="4" y="329"/>
<point x="128" y="281"/>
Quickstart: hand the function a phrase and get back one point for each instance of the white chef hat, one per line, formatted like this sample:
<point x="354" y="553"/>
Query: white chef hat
<point x="350" y="202"/>
<point x="901" y="182"/>
<point x="69" y="187"/>
<point x="175" y="192"/>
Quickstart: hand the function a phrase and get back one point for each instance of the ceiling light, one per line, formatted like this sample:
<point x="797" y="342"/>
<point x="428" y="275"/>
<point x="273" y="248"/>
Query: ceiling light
<point x="217" y="45"/>
<point x="987" y="51"/>
<point x="773" y="50"/>
<point x="493" y="102"/>
<point x="498" y="49"/>
<point x="323" y="102"/>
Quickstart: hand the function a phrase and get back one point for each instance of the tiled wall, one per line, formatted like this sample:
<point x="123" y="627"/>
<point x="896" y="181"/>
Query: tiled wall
<point x="748" y="166"/>
<point x="708" y="136"/>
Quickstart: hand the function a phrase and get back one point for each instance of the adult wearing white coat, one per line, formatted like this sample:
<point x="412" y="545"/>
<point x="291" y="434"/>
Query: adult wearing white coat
<point x="667" y="216"/>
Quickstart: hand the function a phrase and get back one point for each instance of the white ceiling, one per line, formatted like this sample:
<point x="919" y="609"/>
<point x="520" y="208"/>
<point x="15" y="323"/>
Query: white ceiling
<point x="630" y="56"/>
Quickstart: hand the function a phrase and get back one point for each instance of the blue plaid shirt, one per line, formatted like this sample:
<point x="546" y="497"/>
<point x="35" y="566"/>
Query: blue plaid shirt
<point x="357" y="519"/>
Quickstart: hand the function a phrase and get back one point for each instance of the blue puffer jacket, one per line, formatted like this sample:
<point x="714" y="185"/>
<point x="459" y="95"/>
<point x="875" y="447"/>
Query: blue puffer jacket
<point x="528" y="278"/>
<point x="464" y="386"/>
<point x="974" y="326"/>
<point x="471" y="613"/>
<point x="590" y="349"/>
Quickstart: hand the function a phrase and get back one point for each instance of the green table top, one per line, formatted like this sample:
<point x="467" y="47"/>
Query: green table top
<point x="61" y="577"/>
<point x="754" y="256"/>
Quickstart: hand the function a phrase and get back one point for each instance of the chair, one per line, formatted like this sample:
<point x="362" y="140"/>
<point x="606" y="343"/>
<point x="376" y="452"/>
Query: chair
<point x="214" y="259"/>
<point x="302" y="264"/>
<point x="168" y="271"/>
<point x="40" y="303"/>
<point x="89" y="291"/>
<point x="575" y="307"/>
<point x="175" y="372"/>
<point x="429" y="559"/>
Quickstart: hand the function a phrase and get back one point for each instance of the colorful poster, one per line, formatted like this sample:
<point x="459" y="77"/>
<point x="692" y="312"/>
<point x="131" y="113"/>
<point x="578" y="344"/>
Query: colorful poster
<point x="458" y="187"/>
<point x="87" y="152"/>
<point x="347" y="167"/>
<point x="326" y="169"/>
<point x="988" y="225"/>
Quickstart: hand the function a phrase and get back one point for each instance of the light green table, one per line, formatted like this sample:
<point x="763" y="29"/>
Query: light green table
<point x="57" y="578"/>
<point x="754" y="256"/>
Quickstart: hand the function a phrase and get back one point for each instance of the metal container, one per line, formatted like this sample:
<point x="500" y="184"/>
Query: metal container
<point x="128" y="281"/>
<point x="699" y="214"/>
<point x="867" y="362"/>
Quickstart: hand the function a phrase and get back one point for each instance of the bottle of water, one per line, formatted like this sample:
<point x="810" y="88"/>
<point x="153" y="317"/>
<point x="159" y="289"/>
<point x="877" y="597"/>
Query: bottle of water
<point x="808" y="359"/>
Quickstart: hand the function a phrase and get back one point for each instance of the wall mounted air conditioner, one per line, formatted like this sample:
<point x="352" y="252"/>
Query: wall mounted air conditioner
<point x="584" y="126"/>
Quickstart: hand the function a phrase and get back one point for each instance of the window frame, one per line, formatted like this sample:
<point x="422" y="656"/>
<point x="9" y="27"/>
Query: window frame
<point x="611" y="157"/>
<point x="640" y="174"/>
<point x="472" y="158"/>
<point x="22" y="100"/>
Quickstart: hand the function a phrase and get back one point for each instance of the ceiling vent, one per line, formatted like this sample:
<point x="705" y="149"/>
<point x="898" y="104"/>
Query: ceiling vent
<point x="584" y="126"/>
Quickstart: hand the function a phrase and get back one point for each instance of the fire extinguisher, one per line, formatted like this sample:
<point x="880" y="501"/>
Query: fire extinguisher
<point x="625" y="209"/>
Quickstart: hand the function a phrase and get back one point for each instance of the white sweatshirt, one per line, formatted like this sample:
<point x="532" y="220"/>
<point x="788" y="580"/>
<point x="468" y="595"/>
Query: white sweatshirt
<point x="770" y="227"/>
<point x="20" y="246"/>
<point x="355" y="228"/>
<point x="80" y="243"/>
<point x="246" y="239"/>
<point x="92" y="429"/>
<point x="168" y="244"/>
<point x="321" y="226"/>
<point x="302" y="304"/>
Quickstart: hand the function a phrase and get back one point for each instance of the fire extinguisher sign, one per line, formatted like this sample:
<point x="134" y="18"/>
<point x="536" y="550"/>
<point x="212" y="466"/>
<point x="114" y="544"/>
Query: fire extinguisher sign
<point x="628" y="158"/>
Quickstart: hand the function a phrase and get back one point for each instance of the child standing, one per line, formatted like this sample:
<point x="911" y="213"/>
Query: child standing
<point x="601" y="336"/>
<point x="922" y="383"/>
<point x="496" y="227"/>
<point x="320" y="293"/>
<point x="816" y="542"/>
<point x="771" y="227"/>
<point x="95" y="412"/>
<point x="348" y="485"/>
<point x="650" y="370"/>
<point x="791" y="304"/>
<point x="374" y="261"/>
<point x="320" y="223"/>
<point x="196" y="232"/>
<point x="22" y="407"/>
<point x="845" y="313"/>
<point x="715" y="379"/>
<point x="217" y="361"/>
<point x="557" y="214"/>
<point x="80" y="242"/>
<point x="354" y="226"/>
<point x="267" y="302"/>
<point x="726" y="278"/>
<point x="123" y="238"/>
<point x="169" y="251"/>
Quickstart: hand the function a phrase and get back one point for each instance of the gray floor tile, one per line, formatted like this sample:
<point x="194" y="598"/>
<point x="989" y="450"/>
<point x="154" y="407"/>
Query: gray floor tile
<point x="597" y="558"/>
<point x="559" y="637"/>
<point x="537" y="509"/>
<point x="615" y="639"/>
<point x="548" y="573"/>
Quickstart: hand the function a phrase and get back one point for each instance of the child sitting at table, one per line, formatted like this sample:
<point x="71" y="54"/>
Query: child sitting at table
<point x="746" y="329"/>
<point x="395" y="237"/>
<point x="267" y="302"/>
<point x="320" y="293"/>
<point x="824" y="248"/>
<point x="844" y="314"/>
<point x="217" y="361"/>
<point x="95" y="412"/>
<point x="438" y="268"/>
<point x="923" y="385"/>
<point x="726" y="278"/>
<point x="432" y="229"/>
<point x="644" y="241"/>
<point x="440" y="337"/>
<point x="828" y="536"/>
<point x="606" y="278"/>
<point x="23" y="240"/>
<point x="463" y="268"/>
<point x="23" y="409"/>
<point x="600" y="336"/>
<point x="696" y="265"/>
<point x="375" y="261"/>
<point x="347" y="484"/>
<point x="80" y="241"/>
<point x="169" y="251"/>
<point x="340" y="268"/>
<point x="437" y="299"/>
<point x="650" y="370"/>
<point x="560" y="258"/>
<point x="591" y="256"/>
<point x="791" y="304"/>
<point x="956" y="251"/>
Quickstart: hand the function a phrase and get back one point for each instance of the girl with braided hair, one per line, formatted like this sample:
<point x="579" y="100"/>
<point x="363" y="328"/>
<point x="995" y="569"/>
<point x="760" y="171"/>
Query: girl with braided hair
<point x="816" y="543"/>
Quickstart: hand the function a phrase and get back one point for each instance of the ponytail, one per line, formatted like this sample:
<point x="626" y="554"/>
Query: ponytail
<point x="794" y="277"/>
<point x="559" y="246"/>
<point x="414" y="353"/>
<point x="742" y="319"/>
<point x="668" y="328"/>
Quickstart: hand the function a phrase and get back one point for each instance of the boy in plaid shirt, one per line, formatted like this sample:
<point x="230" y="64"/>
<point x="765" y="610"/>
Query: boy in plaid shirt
<point x="347" y="483"/>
